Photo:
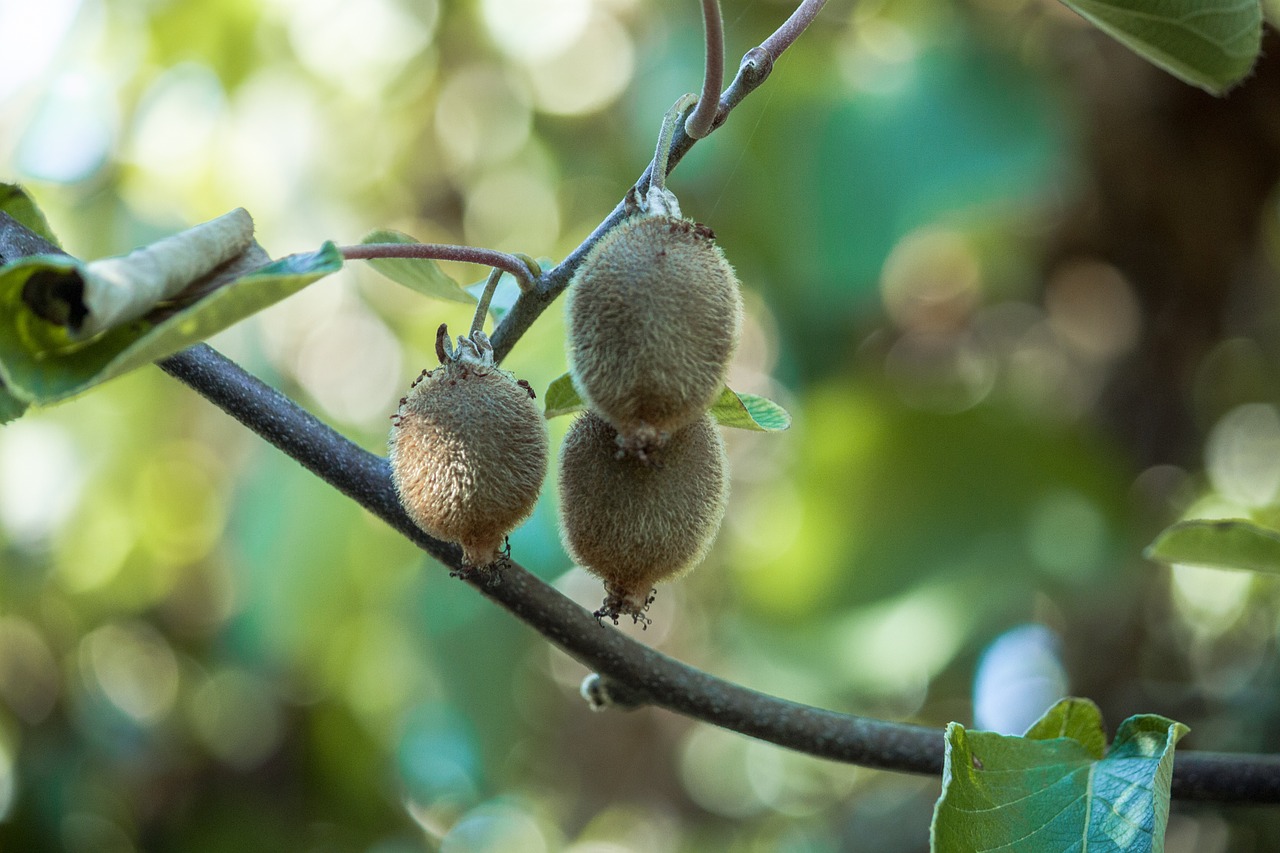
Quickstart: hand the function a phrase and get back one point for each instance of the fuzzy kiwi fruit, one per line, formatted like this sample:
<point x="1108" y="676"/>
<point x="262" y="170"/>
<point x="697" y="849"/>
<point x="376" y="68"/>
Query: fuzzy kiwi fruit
<point x="654" y="315"/>
<point x="634" y="522"/>
<point x="468" y="449"/>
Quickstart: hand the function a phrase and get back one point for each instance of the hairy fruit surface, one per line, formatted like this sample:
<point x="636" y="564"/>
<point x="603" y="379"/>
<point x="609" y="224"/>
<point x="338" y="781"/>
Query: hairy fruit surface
<point x="654" y="316"/>
<point x="468" y="450"/>
<point x="634" y="522"/>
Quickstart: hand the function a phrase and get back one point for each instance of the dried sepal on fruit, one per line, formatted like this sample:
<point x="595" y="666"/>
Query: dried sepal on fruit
<point x="468" y="449"/>
<point x="634" y="522"/>
<point x="654" y="316"/>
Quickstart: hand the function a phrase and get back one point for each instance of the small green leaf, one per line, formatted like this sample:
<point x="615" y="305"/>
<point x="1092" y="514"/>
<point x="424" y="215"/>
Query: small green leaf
<point x="15" y="202"/>
<point x="1231" y="543"/>
<point x="421" y="274"/>
<point x="1211" y="44"/>
<point x="749" y="411"/>
<point x="1051" y="793"/>
<point x="561" y="398"/>
<point x="739" y="411"/>
<point x="41" y="363"/>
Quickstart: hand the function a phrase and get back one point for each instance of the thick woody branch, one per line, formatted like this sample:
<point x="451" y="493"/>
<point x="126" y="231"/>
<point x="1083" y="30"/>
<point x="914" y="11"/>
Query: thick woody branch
<point x="640" y="674"/>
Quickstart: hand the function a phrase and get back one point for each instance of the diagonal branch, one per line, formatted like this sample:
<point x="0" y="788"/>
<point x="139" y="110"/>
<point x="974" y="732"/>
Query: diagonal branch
<point x="641" y="675"/>
<point x="754" y="69"/>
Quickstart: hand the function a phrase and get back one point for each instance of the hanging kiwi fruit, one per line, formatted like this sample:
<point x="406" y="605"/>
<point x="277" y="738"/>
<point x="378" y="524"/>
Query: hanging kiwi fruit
<point x="634" y="522"/>
<point x="469" y="447"/>
<point x="654" y="316"/>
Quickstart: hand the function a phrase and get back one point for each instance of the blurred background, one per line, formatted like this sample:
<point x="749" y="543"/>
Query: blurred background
<point x="1017" y="288"/>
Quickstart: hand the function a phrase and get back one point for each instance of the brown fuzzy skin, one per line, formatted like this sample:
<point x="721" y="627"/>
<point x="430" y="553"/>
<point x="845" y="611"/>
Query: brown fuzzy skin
<point x="654" y="316"/>
<point x="468" y="452"/>
<point x="633" y="523"/>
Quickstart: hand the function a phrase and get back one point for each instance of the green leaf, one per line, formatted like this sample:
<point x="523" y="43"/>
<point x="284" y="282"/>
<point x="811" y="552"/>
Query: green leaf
<point x="1232" y="543"/>
<point x="41" y="363"/>
<point x="11" y="408"/>
<point x="1078" y="719"/>
<point x="749" y="411"/>
<point x="562" y="398"/>
<point x="739" y="411"/>
<point x="15" y="202"/>
<point x="1053" y="790"/>
<point x="421" y="274"/>
<point x="1211" y="44"/>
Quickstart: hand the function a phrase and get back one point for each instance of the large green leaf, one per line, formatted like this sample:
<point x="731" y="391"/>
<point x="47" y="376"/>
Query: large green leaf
<point x="1231" y="543"/>
<point x="40" y="362"/>
<point x="1208" y="43"/>
<point x="1053" y="790"/>
<point x="731" y="409"/>
<point x="421" y="274"/>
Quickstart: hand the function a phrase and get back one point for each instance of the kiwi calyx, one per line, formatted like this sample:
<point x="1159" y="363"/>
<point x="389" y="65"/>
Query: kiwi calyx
<point x="656" y="201"/>
<point x="621" y="602"/>
<point x="475" y="350"/>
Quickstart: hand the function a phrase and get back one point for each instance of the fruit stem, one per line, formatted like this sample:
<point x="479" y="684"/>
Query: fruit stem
<point x="482" y="308"/>
<point x="659" y="179"/>
<point x="701" y="121"/>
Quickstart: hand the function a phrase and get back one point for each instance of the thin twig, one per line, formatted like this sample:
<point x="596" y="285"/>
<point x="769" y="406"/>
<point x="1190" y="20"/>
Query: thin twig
<point x="791" y="29"/>
<point x="647" y="676"/>
<point x="444" y="252"/>
<point x="701" y="121"/>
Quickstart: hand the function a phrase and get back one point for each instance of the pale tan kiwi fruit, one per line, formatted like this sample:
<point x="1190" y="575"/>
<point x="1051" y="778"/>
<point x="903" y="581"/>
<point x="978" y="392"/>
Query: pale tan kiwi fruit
<point x="654" y="316"/>
<point x="634" y="522"/>
<point x="468" y="450"/>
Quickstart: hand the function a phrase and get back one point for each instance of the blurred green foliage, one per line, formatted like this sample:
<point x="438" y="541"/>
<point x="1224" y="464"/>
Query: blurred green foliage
<point x="203" y="648"/>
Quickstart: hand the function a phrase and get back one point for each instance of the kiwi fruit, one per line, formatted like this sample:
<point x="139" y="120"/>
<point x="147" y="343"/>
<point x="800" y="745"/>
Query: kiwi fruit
<point x="654" y="315"/>
<point x="468" y="449"/>
<point x="634" y="522"/>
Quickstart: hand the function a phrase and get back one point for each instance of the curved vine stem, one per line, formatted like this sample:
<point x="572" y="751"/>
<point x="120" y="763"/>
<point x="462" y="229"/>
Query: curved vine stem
<point x="702" y="120"/>
<point x="635" y="673"/>
<point x="504" y="261"/>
